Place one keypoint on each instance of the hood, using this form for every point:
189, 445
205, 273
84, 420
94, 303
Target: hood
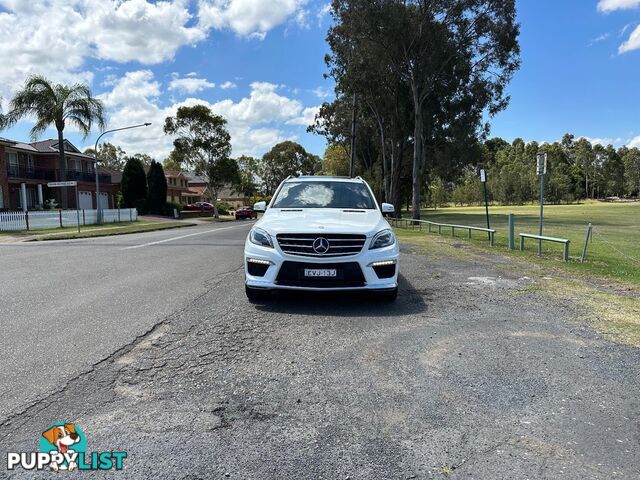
322, 220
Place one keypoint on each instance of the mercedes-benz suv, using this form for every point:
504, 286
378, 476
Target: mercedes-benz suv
322, 234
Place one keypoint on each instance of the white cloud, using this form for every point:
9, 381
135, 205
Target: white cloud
255, 122
322, 92
323, 11
612, 5
228, 85
56, 37
189, 84
307, 117
598, 39
634, 142
248, 18
632, 43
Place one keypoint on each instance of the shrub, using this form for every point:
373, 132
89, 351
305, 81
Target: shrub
142, 205
169, 206
157, 183
223, 208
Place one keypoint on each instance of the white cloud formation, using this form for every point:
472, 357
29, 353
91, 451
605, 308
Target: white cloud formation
612, 5
248, 18
56, 37
634, 142
189, 84
255, 122
307, 117
322, 92
632, 43
599, 38
228, 85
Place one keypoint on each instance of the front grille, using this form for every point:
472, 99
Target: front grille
340, 245
348, 275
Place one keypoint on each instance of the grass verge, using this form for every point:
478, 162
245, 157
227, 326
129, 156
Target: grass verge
612, 307
110, 230
614, 252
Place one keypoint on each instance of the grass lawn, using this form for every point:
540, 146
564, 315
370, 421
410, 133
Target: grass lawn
106, 230
614, 252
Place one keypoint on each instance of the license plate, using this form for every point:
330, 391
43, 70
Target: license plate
320, 272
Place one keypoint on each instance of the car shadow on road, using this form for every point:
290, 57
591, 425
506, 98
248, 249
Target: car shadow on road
348, 304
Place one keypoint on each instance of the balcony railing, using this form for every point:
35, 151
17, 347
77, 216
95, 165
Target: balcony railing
21, 171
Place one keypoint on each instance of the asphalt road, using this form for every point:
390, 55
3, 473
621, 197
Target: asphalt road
148, 343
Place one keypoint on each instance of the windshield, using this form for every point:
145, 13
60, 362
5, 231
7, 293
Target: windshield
325, 194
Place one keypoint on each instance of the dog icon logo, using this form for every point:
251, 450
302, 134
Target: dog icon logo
62, 437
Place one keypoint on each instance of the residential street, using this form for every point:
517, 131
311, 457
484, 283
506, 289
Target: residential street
149, 344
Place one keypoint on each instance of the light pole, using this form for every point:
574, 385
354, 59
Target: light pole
95, 155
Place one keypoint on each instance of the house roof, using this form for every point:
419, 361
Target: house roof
197, 190
45, 146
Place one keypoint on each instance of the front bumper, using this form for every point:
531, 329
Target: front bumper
276, 258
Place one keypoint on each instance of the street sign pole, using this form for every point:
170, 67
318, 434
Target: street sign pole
541, 171
78, 207
483, 179
64, 186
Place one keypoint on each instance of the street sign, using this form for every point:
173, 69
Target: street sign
62, 184
483, 175
541, 168
70, 184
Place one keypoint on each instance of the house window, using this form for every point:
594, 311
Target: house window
30, 163
12, 160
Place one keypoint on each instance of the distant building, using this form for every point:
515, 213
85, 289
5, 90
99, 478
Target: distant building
26, 168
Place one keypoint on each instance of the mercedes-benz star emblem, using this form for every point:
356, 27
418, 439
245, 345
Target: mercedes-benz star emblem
321, 245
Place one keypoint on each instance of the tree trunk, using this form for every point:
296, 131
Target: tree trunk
63, 166
417, 156
394, 188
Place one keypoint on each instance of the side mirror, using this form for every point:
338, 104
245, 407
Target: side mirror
388, 208
260, 207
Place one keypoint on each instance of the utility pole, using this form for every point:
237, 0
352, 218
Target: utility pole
541, 170
353, 137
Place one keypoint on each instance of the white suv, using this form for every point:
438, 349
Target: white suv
322, 234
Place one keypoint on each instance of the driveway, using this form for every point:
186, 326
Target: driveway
472, 373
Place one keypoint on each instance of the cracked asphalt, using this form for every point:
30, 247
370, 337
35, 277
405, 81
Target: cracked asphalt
472, 373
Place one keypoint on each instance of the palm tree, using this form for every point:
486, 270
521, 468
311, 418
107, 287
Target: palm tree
56, 104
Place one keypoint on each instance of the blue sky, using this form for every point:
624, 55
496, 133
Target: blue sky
260, 64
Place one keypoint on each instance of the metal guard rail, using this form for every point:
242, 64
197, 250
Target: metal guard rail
407, 221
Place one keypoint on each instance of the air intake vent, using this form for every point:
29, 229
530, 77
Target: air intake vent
325, 245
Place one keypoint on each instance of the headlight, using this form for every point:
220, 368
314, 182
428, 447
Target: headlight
258, 236
385, 238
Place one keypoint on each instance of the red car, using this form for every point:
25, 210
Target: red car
246, 212
199, 206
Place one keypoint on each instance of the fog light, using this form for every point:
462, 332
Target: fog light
384, 268
257, 267
384, 263
258, 261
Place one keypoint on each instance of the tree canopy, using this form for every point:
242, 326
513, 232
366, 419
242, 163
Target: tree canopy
285, 159
203, 144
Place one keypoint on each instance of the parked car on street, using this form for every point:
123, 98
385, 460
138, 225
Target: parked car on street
199, 206
246, 212
322, 234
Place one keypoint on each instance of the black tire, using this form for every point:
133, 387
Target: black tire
256, 295
387, 295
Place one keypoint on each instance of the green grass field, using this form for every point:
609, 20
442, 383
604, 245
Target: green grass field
613, 253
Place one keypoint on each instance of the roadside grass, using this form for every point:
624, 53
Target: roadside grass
222, 219
614, 252
612, 307
106, 230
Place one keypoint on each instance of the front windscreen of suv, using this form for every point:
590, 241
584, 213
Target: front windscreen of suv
319, 194
322, 233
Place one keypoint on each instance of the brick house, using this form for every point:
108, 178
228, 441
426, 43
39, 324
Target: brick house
177, 186
26, 168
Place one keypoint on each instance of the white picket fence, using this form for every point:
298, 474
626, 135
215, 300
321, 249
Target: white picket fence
11, 221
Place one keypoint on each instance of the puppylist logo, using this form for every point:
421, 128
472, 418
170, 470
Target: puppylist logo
63, 447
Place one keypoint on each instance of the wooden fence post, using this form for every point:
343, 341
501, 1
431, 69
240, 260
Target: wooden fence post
60, 214
26, 219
